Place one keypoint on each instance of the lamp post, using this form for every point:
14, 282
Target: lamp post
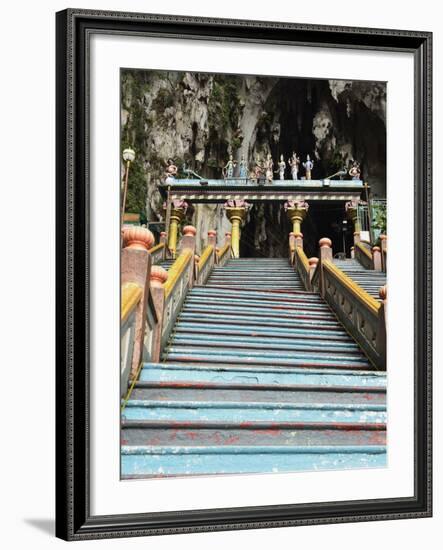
128, 157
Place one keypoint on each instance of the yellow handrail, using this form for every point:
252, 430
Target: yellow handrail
304, 259
223, 250
131, 295
154, 249
207, 252
358, 292
176, 270
364, 250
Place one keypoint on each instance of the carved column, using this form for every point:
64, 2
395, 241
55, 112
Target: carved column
351, 208
178, 212
157, 279
236, 213
296, 212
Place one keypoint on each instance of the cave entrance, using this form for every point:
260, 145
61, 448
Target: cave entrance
265, 233
327, 219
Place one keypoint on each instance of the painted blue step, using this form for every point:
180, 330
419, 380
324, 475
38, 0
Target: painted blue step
260, 342
195, 327
141, 433
293, 313
145, 461
237, 374
240, 412
263, 295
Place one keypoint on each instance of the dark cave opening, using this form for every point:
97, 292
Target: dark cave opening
263, 238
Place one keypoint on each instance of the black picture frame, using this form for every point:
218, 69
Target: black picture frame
73, 518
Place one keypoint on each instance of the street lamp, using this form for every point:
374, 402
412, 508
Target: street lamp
128, 157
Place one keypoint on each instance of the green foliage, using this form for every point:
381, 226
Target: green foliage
379, 217
224, 111
137, 189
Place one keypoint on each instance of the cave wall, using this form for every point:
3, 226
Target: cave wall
198, 119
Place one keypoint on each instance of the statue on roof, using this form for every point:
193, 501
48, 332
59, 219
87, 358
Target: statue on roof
228, 169
269, 165
355, 171
243, 168
171, 171
281, 167
294, 163
308, 166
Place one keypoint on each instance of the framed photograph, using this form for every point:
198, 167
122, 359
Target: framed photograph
228, 353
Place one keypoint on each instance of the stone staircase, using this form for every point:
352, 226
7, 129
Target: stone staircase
368, 279
258, 376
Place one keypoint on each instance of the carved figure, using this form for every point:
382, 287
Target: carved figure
269, 165
308, 165
228, 170
355, 171
171, 171
281, 167
243, 168
294, 163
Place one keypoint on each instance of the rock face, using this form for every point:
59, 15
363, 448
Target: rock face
199, 119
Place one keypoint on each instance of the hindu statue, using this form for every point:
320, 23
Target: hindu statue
294, 163
171, 171
269, 165
355, 171
258, 170
228, 169
281, 167
243, 168
308, 166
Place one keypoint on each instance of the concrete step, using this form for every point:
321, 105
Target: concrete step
264, 375
155, 461
195, 327
286, 313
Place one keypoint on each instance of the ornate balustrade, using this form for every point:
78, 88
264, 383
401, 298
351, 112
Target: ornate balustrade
130, 299
302, 267
384, 251
205, 264
360, 313
363, 255
157, 253
176, 287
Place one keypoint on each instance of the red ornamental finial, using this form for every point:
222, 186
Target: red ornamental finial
158, 276
137, 237
325, 243
189, 230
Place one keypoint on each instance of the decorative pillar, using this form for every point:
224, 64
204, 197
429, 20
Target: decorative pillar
136, 237
212, 237
384, 248
296, 212
178, 212
351, 208
325, 253
352, 252
236, 213
228, 237
188, 243
158, 278
376, 258
136, 268
313, 262
380, 342
325, 249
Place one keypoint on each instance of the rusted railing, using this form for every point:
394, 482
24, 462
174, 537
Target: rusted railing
205, 265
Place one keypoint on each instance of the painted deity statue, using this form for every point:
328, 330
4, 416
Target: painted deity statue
243, 168
228, 170
258, 170
355, 171
308, 165
171, 171
294, 163
269, 165
281, 167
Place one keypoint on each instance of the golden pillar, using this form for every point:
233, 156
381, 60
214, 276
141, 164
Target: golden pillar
236, 213
296, 212
352, 212
178, 211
